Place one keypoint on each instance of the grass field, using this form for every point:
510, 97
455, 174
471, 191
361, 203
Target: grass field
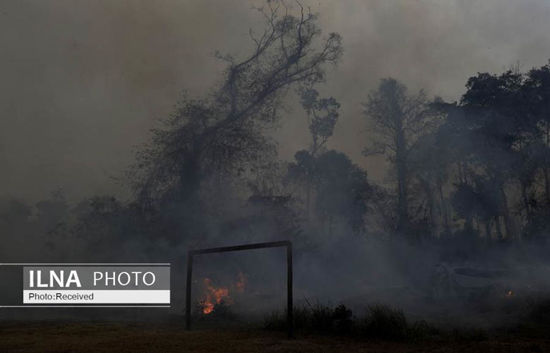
123, 337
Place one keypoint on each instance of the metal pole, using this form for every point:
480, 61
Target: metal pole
290, 320
188, 291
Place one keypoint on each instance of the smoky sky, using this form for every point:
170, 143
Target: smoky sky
82, 82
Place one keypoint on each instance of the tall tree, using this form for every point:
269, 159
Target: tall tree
398, 119
223, 131
322, 115
495, 128
537, 92
340, 187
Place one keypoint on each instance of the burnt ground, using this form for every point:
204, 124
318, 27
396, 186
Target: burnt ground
123, 337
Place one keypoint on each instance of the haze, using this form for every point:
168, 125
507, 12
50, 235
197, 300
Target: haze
82, 82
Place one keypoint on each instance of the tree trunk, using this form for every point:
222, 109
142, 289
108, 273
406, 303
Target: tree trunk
500, 236
525, 198
402, 195
488, 234
434, 222
444, 209
308, 198
508, 221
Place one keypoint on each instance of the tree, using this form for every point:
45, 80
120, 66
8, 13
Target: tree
341, 188
537, 92
498, 130
398, 119
342, 191
428, 164
495, 129
220, 133
322, 115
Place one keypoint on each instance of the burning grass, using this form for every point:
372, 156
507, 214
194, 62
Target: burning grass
213, 296
216, 300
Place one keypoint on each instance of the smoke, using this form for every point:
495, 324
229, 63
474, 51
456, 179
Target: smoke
83, 82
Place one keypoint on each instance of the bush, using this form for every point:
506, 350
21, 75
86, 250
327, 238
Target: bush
314, 318
275, 321
380, 322
421, 330
343, 319
385, 322
321, 318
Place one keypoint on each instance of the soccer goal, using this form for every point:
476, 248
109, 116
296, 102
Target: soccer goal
192, 253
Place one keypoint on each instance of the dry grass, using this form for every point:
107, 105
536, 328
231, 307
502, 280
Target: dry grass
150, 338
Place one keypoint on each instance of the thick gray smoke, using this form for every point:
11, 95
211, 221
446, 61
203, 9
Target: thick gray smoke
83, 82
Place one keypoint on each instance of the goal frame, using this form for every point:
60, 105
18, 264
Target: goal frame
284, 243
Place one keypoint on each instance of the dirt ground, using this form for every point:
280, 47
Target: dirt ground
114, 337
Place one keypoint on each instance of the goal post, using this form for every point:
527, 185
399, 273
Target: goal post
275, 244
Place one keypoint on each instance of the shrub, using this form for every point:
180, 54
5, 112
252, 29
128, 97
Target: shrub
275, 321
380, 322
343, 319
385, 322
314, 318
321, 318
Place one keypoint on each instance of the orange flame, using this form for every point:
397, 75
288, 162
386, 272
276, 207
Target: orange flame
213, 296
216, 295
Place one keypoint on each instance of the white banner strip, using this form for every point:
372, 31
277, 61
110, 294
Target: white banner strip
96, 296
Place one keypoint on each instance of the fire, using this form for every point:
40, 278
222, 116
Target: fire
213, 296
509, 293
216, 295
